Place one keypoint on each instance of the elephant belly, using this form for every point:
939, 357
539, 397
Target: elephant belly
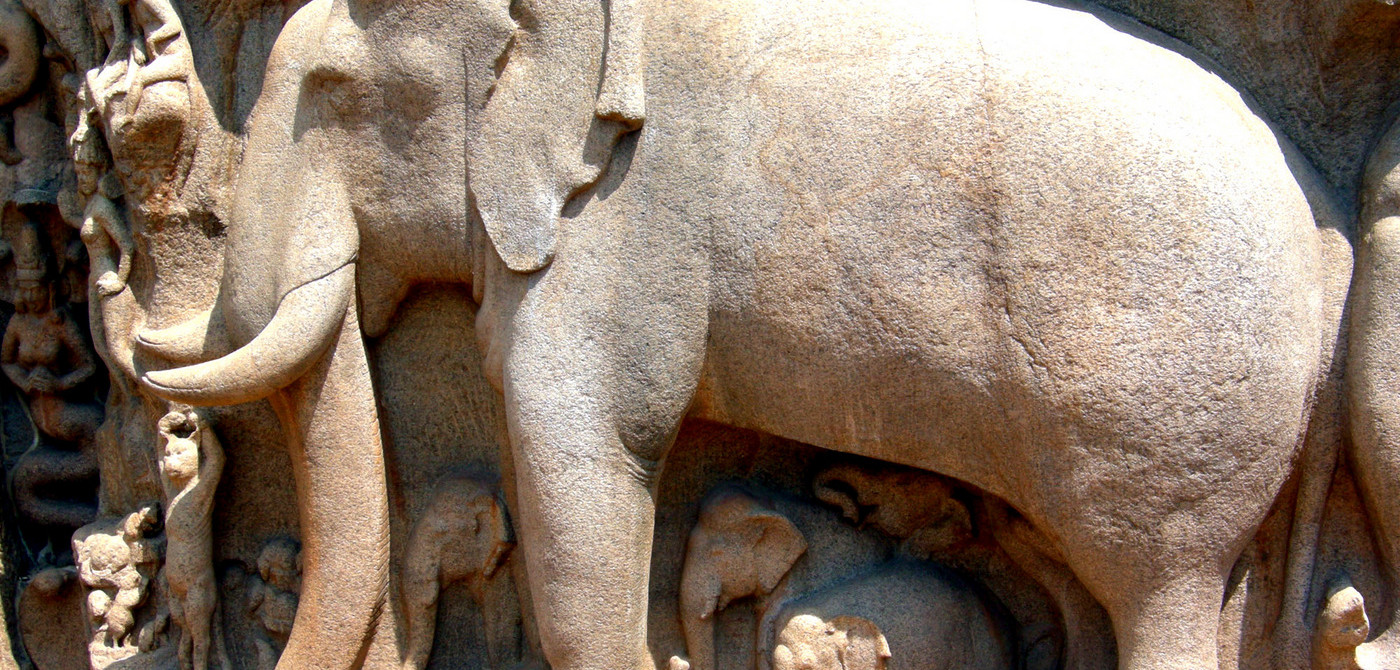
1076, 273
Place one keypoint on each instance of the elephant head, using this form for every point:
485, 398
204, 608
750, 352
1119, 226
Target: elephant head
464, 535
806, 642
378, 129
901, 502
740, 547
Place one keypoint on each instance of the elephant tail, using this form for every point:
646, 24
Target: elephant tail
1321, 441
307, 320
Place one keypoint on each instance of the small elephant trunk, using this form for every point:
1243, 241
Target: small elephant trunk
697, 610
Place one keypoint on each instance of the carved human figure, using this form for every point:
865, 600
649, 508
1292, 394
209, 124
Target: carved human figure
162, 54
191, 463
463, 536
272, 598
807, 642
46, 356
116, 560
139, 105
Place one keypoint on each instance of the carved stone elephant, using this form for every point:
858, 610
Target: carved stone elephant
1022, 245
927, 618
463, 536
845, 643
739, 548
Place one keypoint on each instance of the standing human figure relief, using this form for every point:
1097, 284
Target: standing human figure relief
191, 463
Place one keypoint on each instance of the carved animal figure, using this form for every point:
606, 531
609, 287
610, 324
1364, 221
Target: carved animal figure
463, 535
1029, 247
191, 463
116, 560
844, 643
929, 619
739, 548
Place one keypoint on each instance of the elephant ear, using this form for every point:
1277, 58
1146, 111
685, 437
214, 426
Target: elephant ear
551, 122
778, 546
864, 646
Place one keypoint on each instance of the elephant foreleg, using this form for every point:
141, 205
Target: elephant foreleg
586, 513
338, 463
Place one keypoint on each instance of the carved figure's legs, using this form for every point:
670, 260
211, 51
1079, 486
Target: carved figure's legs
177, 614
338, 464
199, 604
1373, 387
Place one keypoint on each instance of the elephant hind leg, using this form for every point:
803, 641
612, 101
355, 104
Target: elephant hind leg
342, 496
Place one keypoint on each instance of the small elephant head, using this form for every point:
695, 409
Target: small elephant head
901, 502
807, 642
740, 547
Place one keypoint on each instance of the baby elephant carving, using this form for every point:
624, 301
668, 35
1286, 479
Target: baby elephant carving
463, 536
844, 643
904, 615
741, 547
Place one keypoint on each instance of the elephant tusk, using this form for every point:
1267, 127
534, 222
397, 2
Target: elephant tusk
305, 323
185, 342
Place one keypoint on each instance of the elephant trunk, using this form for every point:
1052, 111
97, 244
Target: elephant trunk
420, 589
698, 601
305, 323
19, 38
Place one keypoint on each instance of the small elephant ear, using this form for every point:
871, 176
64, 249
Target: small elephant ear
864, 647
778, 546
550, 124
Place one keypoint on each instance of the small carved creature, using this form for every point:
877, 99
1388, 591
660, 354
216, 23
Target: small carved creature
463, 536
844, 643
116, 559
191, 463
